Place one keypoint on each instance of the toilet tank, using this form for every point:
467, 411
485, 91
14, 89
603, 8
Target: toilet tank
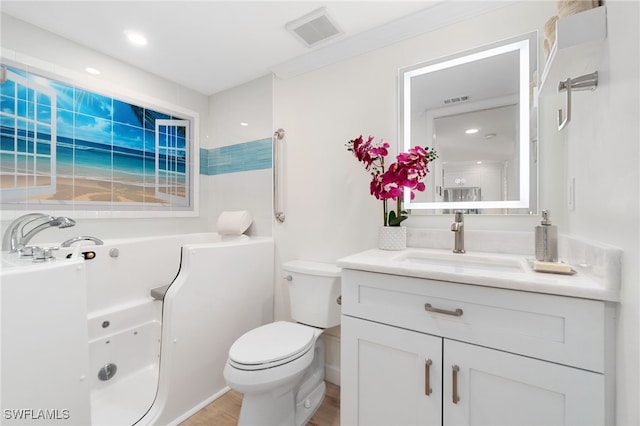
314, 289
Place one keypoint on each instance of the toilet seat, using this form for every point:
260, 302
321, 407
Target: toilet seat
271, 345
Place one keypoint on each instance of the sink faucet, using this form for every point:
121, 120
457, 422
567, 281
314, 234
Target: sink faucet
458, 228
15, 237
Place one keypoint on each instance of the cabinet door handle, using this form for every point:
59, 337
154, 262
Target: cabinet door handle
454, 378
427, 381
429, 308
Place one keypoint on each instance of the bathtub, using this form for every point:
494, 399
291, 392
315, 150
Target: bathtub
138, 358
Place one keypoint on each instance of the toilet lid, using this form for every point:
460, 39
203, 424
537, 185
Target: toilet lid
273, 344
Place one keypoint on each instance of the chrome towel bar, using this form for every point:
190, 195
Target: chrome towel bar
584, 82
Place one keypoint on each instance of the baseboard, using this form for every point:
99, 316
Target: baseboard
331, 358
200, 406
332, 374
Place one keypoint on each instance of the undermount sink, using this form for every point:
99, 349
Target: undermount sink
486, 262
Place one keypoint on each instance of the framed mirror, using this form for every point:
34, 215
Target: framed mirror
476, 110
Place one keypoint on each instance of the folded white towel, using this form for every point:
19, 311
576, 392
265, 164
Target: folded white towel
234, 223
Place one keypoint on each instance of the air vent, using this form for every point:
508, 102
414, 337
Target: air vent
456, 99
314, 28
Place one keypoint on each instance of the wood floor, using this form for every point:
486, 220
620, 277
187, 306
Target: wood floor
224, 411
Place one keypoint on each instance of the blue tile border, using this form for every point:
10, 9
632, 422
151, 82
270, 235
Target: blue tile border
242, 157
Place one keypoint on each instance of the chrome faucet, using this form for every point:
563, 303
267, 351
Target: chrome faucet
15, 238
458, 228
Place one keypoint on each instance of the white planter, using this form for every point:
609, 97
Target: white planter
392, 237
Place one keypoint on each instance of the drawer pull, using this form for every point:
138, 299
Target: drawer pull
454, 378
427, 381
429, 308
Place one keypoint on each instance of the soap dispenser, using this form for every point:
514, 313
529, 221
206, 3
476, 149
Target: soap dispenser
546, 239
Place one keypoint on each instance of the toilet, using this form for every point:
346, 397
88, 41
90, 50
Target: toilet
279, 367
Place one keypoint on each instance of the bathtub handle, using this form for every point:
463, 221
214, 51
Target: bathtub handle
96, 241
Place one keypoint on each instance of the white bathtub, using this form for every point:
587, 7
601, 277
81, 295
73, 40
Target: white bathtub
169, 355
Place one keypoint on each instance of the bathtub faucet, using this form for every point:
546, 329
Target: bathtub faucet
15, 237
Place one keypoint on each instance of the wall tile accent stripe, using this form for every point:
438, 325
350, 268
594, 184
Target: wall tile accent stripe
242, 157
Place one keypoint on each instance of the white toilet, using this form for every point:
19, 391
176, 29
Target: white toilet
279, 367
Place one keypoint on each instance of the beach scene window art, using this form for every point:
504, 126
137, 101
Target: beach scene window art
61, 144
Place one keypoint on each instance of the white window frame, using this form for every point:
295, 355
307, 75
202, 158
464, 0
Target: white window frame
21, 192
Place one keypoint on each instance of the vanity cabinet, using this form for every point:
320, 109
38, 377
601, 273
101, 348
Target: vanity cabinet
417, 351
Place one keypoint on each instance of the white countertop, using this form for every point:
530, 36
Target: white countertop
508, 271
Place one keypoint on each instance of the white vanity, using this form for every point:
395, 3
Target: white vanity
435, 338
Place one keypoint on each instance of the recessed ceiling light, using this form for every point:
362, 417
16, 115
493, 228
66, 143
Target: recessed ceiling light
490, 136
478, 162
244, 124
136, 38
93, 71
471, 131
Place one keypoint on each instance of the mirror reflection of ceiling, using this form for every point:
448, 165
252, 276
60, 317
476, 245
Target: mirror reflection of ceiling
453, 87
436, 89
495, 140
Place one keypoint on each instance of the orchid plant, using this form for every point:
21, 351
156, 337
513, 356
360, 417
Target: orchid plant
408, 171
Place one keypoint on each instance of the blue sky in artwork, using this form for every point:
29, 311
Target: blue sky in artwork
89, 116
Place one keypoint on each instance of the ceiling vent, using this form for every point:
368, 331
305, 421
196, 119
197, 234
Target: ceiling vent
314, 28
456, 99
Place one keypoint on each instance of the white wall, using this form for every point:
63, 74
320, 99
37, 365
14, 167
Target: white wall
602, 150
330, 213
251, 103
323, 109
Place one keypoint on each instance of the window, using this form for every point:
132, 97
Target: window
63, 146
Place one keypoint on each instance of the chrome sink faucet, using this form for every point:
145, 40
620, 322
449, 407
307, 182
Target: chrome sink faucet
15, 238
458, 228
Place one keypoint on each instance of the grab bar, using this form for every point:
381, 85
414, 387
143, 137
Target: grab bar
277, 136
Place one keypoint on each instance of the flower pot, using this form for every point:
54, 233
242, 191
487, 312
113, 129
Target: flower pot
392, 237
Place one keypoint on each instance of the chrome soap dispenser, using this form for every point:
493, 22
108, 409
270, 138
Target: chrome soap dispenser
546, 239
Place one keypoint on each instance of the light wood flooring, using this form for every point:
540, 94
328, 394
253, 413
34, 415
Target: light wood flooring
225, 410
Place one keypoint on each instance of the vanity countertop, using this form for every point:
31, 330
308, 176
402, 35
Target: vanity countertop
508, 271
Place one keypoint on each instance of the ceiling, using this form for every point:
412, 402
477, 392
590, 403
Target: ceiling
210, 45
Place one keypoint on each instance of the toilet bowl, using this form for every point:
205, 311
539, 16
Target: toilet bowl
279, 367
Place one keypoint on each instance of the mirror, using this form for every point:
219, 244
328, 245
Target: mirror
476, 109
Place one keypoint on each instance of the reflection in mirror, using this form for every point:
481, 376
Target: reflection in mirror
475, 109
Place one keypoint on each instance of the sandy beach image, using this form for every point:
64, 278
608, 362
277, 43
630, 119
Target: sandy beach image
100, 149
83, 189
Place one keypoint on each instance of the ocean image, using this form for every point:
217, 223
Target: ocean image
105, 148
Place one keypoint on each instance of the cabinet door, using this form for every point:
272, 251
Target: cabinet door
384, 375
499, 388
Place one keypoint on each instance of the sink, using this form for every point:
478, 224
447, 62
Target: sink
485, 262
